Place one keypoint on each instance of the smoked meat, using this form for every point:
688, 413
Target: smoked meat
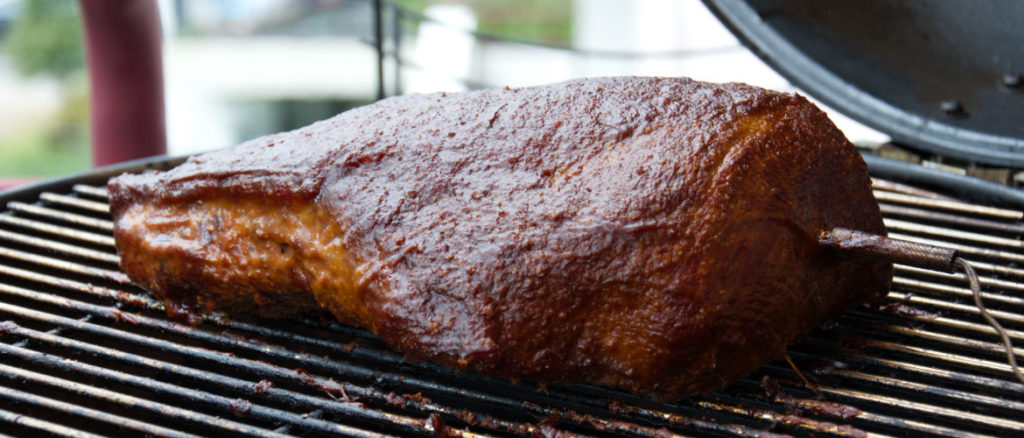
657, 235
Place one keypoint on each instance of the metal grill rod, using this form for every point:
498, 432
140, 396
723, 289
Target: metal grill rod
43, 426
946, 305
936, 391
893, 404
98, 239
890, 186
988, 347
961, 360
32, 377
289, 398
72, 218
797, 423
918, 426
949, 205
626, 407
963, 221
864, 416
943, 322
864, 399
998, 269
928, 371
81, 411
94, 191
84, 204
900, 225
997, 367
921, 408
919, 285
881, 328
963, 249
170, 347
50, 245
743, 407
985, 281
65, 265
90, 289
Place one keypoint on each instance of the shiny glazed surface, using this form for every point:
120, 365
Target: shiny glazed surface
656, 235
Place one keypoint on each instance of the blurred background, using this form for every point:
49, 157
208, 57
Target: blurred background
238, 69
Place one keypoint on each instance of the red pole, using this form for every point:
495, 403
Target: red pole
123, 53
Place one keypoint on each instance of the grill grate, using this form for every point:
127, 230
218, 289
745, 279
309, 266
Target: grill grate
83, 352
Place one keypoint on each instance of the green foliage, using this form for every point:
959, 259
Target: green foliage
33, 154
46, 39
69, 128
547, 21
55, 146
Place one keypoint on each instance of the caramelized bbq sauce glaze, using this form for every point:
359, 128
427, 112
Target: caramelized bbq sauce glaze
656, 235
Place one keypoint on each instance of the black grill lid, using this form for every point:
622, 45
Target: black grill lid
938, 75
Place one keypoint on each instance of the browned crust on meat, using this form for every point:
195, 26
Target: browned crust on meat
656, 235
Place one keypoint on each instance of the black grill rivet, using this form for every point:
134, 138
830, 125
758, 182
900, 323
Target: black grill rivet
1013, 80
953, 108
